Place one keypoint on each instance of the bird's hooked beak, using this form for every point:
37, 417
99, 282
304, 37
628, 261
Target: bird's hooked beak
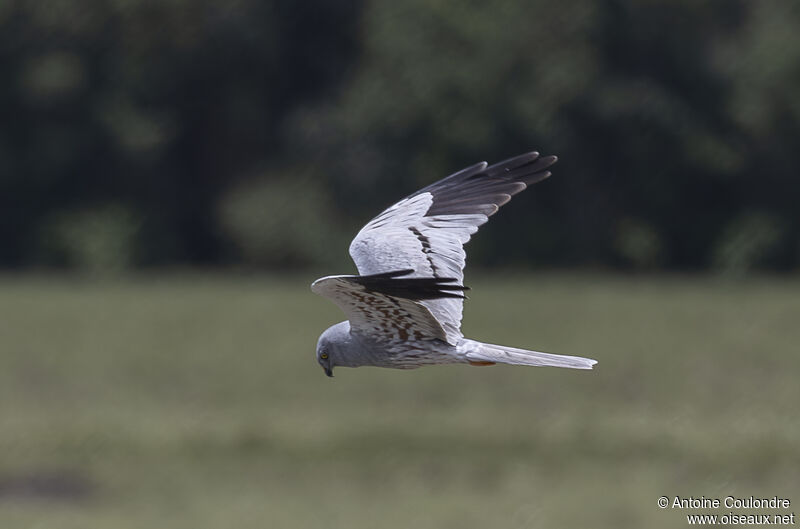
328, 371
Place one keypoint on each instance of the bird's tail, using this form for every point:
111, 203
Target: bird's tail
479, 353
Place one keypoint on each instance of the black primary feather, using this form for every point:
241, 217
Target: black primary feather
413, 288
482, 189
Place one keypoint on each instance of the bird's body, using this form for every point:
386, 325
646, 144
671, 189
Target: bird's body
352, 349
404, 311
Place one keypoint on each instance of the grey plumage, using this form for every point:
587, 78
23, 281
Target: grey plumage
404, 310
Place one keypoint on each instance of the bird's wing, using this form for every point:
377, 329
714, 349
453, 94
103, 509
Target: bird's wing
386, 307
427, 231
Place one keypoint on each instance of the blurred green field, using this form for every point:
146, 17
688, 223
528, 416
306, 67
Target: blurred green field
195, 402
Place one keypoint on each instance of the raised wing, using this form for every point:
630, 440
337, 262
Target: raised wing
387, 308
427, 231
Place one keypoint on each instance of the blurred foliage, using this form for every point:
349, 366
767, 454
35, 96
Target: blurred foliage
280, 221
638, 244
747, 242
674, 120
100, 240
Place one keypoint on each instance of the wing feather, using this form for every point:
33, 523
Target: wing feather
426, 231
387, 308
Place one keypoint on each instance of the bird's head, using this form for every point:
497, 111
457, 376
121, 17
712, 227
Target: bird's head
329, 345
324, 356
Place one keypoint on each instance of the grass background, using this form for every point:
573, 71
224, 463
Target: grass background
194, 401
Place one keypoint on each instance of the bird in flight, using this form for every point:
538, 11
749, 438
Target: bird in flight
404, 310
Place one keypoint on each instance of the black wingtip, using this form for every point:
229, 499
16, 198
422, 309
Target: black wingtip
414, 288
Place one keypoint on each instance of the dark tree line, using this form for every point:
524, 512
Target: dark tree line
144, 133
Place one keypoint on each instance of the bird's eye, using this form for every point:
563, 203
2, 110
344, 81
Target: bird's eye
324, 356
